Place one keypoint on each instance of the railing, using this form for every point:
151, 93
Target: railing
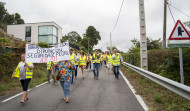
174, 86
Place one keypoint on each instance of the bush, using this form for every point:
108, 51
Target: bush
164, 62
43, 45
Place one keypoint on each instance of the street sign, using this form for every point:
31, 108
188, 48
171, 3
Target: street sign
179, 37
179, 32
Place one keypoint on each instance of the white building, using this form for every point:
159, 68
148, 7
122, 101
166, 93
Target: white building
48, 32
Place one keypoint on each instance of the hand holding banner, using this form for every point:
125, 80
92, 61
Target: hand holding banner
36, 54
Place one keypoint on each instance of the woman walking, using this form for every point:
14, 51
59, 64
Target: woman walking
82, 63
24, 71
65, 68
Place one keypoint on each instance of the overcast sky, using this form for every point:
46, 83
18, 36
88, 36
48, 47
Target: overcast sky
77, 15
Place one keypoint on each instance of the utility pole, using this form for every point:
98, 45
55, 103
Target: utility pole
110, 43
143, 41
165, 21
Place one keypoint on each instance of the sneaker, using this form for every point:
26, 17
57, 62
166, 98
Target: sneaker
94, 77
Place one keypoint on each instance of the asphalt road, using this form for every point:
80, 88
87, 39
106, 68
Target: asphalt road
105, 94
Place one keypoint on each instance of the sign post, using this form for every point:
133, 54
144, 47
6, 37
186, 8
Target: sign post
179, 38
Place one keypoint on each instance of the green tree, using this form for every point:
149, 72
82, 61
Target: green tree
151, 44
18, 19
93, 36
72, 37
9, 19
2, 12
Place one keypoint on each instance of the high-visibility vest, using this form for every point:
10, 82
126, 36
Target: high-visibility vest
77, 62
87, 58
29, 73
104, 57
116, 60
90, 58
82, 60
109, 58
48, 65
101, 58
96, 59
73, 58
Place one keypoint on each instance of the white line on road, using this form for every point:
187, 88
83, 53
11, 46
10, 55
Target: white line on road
134, 92
22, 92
13, 97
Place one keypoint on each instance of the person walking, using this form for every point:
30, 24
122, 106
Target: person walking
104, 58
101, 59
82, 63
117, 59
49, 69
88, 61
76, 64
65, 70
24, 71
109, 61
73, 58
96, 64
91, 62
54, 71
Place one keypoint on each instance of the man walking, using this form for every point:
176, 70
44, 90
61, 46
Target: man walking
96, 64
73, 58
117, 58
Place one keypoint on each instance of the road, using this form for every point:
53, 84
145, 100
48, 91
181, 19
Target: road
105, 94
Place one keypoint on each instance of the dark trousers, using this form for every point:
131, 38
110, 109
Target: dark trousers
105, 62
76, 70
116, 71
96, 67
72, 76
87, 64
25, 83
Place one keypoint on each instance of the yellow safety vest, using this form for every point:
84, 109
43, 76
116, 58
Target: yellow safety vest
73, 58
90, 58
29, 73
96, 59
101, 58
82, 60
48, 65
77, 62
109, 58
116, 60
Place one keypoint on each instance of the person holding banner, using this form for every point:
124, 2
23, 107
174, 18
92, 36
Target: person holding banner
82, 63
73, 58
65, 70
24, 71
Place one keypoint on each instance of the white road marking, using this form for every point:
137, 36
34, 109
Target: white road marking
13, 96
134, 92
22, 92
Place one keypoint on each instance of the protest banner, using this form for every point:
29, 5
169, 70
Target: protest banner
36, 54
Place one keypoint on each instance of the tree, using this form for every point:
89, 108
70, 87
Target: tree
151, 44
93, 36
72, 37
2, 12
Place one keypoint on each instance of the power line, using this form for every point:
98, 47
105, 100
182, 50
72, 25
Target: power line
171, 13
178, 10
118, 16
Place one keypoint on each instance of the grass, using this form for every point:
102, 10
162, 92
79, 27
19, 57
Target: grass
9, 86
156, 97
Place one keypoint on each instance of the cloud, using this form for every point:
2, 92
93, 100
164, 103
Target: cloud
77, 15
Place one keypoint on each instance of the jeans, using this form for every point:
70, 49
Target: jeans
87, 65
116, 71
72, 76
25, 83
66, 88
76, 70
96, 66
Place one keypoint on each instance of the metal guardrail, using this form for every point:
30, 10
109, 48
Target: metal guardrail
174, 86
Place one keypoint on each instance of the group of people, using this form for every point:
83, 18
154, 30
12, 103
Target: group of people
68, 69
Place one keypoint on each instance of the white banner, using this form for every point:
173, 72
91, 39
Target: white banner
36, 54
